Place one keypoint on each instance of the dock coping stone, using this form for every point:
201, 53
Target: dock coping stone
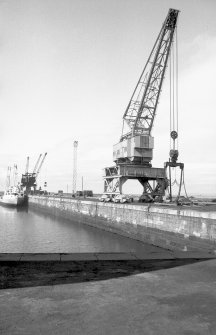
149, 208
86, 257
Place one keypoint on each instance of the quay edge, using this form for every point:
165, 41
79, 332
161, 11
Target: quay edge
173, 228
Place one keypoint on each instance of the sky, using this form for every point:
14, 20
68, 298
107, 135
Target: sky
68, 69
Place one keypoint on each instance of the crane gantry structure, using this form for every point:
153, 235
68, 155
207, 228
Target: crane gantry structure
134, 153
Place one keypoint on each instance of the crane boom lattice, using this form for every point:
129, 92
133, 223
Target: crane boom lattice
141, 109
36, 165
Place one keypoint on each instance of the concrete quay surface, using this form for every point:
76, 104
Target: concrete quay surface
153, 293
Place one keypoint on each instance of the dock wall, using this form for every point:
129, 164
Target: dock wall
176, 228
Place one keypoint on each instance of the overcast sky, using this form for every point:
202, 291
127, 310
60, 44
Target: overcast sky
67, 72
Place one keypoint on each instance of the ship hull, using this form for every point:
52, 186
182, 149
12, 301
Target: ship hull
12, 200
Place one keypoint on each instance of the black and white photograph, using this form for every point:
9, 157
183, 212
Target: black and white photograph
107, 167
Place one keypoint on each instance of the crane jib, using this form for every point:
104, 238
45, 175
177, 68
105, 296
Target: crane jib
143, 103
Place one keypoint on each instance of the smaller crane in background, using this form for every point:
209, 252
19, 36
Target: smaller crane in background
41, 163
36, 165
29, 179
75, 168
27, 165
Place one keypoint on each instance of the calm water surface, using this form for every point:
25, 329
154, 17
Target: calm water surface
27, 231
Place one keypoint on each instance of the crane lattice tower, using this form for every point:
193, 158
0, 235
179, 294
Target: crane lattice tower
75, 167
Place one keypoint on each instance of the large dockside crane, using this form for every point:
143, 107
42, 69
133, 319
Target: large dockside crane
134, 153
29, 179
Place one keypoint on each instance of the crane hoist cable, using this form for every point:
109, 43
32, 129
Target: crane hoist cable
174, 92
170, 96
174, 122
173, 89
185, 187
177, 84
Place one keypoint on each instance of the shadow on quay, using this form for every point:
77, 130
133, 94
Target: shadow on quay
30, 273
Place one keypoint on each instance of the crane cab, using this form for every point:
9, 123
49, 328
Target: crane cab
137, 149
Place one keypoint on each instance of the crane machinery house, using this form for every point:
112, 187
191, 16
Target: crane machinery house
137, 149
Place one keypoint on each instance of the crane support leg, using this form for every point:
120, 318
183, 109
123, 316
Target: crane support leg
155, 192
113, 186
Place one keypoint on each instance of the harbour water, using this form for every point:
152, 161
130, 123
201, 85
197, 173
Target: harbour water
27, 231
